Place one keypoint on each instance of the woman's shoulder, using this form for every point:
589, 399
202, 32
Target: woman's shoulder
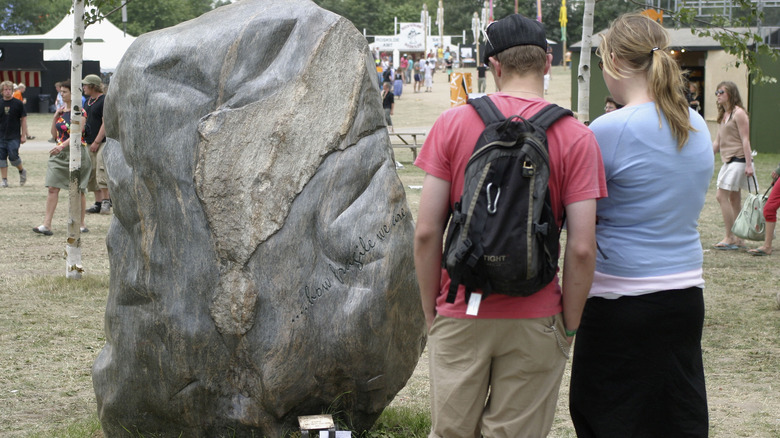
740, 114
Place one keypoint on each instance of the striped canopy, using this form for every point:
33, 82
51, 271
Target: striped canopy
28, 78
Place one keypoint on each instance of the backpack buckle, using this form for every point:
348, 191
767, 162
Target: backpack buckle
529, 169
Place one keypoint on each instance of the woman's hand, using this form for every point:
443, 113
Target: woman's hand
749, 169
57, 149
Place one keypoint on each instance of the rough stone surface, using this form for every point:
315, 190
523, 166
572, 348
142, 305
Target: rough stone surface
261, 246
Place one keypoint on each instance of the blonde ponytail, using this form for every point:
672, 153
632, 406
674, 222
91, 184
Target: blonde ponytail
640, 43
668, 89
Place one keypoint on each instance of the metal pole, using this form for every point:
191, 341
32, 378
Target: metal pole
424, 21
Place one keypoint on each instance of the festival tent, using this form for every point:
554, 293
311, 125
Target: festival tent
103, 42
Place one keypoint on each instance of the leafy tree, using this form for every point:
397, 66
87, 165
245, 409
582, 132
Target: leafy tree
20, 17
144, 16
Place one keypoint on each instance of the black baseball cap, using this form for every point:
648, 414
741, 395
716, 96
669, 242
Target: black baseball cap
511, 31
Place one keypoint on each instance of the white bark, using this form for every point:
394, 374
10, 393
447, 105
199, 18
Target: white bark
583, 72
73, 268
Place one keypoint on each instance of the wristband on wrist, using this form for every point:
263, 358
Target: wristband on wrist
570, 333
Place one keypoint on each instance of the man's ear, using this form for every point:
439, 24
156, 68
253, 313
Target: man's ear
496, 65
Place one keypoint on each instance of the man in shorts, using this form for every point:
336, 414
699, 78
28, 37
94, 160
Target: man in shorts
13, 133
496, 365
95, 137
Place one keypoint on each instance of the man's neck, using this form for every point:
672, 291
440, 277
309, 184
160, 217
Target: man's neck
522, 85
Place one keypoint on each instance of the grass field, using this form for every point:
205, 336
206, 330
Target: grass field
51, 329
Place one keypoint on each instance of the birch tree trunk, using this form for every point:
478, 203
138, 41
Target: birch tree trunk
73, 268
583, 72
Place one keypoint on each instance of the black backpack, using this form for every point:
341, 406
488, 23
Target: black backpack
502, 235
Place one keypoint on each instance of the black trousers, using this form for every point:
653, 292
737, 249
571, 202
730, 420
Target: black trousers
637, 369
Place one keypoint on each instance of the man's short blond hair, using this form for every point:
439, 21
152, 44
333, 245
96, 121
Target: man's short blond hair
523, 60
5, 84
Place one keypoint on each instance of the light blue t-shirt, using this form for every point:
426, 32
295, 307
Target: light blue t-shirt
647, 226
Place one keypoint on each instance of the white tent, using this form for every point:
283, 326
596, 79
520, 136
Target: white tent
103, 42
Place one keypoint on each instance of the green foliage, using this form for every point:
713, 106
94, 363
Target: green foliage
377, 17
20, 17
86, 427
401, 422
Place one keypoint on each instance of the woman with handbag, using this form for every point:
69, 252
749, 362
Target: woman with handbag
637, 367
770, 216
733, 143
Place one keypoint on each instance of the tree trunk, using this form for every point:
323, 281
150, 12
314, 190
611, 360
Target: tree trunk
73, 268
583, 72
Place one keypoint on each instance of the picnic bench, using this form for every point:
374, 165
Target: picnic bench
407, 139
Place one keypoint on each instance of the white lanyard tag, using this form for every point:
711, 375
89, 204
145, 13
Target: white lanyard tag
473, 307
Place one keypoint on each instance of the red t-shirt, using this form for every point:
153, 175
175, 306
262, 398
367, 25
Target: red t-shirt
576, 174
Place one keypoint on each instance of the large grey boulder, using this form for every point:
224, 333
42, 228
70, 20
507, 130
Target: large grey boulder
261, 246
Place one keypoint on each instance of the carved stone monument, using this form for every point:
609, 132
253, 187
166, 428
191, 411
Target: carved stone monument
261, 248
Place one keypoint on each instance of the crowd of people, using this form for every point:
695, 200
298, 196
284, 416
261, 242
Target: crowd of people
13, 125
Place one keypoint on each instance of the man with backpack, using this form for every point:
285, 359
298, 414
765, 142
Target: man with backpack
499, 337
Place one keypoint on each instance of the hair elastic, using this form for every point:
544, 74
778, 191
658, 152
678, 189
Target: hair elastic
653, 50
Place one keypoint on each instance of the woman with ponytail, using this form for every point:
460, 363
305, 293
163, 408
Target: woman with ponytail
637, 368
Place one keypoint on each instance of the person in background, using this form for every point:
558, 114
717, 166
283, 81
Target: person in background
409, 69
481, 79
547, 75
496, 368
58, 167
733, 143
398, 84
418, 72
379, 70
388, 104
404, 64
637, 367
429, 67
19, 92
695, 99
95, 137
59, 102
610, 104
13, 133
770, 216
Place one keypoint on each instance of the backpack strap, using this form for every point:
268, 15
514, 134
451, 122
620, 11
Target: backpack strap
487, 110
549, 115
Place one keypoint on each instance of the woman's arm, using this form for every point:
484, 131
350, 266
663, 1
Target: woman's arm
716, 143
743, 125
57, 115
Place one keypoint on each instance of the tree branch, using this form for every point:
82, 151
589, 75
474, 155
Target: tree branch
94, 20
